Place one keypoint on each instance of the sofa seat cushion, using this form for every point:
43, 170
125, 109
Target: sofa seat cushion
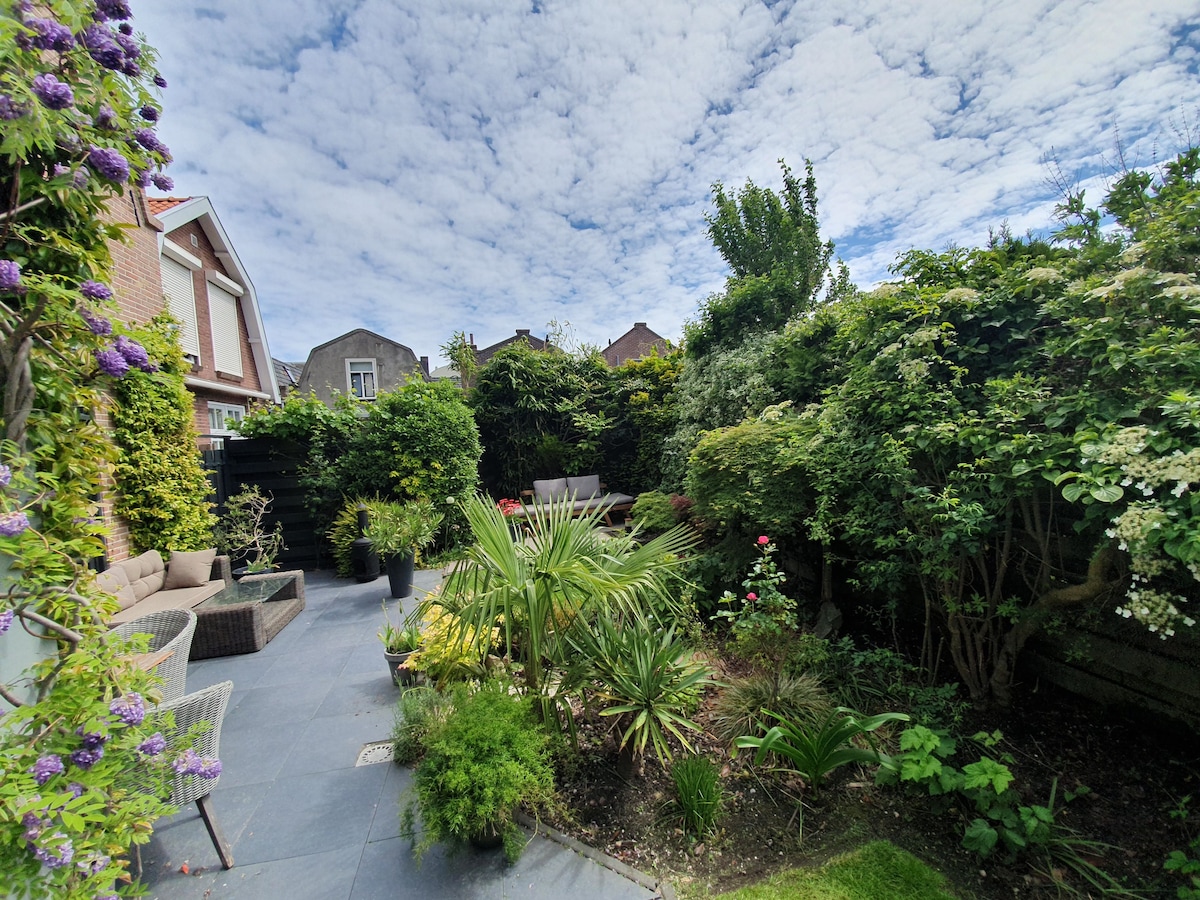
176, 598
146, 573
115, 581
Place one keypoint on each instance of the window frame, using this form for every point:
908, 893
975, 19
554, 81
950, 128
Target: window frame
373, 371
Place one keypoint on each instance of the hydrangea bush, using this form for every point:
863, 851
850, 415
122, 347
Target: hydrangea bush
78, 751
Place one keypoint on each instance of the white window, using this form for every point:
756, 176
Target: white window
222, 419
360, 376
181, 303
227, 346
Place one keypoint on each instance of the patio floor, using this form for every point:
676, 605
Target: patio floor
304, 820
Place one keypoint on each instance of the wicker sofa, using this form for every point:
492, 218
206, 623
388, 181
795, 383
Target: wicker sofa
145, 584
586, 492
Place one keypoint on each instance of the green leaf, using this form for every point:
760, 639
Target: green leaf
980, 838
1106, 493
1074, 491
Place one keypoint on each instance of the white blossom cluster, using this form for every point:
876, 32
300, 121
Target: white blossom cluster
1044, 275
1156, 610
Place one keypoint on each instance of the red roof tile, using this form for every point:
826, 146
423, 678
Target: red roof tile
161, 204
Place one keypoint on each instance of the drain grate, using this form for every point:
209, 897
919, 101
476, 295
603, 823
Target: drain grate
377, 752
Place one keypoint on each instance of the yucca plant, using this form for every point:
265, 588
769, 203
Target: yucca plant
648, 677
561, 570
814, 750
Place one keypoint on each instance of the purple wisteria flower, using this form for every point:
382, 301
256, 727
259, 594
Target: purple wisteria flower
91, 739
93, 866
209, 767
46, 768
134, 353
129, 708
57, 857
97, 324
13, 523
149, 113
150, 141
160, 81
86, 757
140, 177
188, 763
132, 69
111, 362
33, 826
53, 93
101, 47
95, 290
106, 118
51, 35
109, 164
5, 476
113, 9
163, 182
125, 28
6, 620
128, 45
76, 789
10, 109
10, 275
153, 745
80, 179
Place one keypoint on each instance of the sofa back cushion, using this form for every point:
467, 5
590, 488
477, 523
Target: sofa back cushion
189, 569
145, 573
549, 489
115, 581
584, 487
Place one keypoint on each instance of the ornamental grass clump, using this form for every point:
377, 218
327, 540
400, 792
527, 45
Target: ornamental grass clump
488, 759
698, 794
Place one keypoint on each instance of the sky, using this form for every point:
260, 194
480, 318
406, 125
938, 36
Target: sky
423, 167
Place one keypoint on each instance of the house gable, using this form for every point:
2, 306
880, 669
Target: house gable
359, 362
636, 343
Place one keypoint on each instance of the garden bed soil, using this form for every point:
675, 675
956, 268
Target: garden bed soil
1136, 773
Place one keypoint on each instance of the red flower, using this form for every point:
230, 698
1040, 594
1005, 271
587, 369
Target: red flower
763, 539
507, 507
752, 596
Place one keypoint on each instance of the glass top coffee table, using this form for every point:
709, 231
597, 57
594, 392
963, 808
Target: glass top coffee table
247, 614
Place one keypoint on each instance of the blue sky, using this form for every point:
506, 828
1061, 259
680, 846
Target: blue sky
420, 167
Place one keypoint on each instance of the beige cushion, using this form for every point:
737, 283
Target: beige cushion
584, 486
115, 581
189, 569
149, 577
549, 489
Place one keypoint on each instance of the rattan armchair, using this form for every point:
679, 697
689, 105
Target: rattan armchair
169, 629
209, 706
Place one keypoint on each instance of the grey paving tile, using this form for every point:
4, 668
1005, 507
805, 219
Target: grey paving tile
257, 755
388, 866
261, 707
310, 814
322, 876
387, 816
548, 870
182, 838
296, 668
361, 692
243, 671
334, 742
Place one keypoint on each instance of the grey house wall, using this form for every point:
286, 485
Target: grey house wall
325, 369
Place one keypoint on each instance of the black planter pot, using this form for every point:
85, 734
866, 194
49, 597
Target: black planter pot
402, 677
400, 574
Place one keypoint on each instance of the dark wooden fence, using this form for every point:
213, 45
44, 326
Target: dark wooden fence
273, 466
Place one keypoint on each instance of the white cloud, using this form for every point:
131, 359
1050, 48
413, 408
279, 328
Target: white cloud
422, 168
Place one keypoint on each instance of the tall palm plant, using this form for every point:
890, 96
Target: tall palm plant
557, 575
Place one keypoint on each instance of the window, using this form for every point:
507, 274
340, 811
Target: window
181, 303
223, 310
361, 378
222, 419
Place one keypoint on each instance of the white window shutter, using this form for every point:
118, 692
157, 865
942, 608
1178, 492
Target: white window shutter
181, 302
227, 347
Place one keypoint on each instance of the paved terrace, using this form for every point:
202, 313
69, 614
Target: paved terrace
304, 820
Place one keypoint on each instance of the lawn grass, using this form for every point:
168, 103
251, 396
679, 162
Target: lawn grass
873, 871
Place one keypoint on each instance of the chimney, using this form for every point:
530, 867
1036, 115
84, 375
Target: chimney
425, 365
523, 332
472, 340
639, 324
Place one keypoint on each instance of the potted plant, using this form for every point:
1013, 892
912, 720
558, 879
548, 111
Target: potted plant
398, 532
399, 642
242, 532
489, 758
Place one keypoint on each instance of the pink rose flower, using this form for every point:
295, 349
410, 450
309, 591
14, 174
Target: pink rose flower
763, 539
752, 596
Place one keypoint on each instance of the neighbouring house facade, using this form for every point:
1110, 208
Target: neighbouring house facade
177, 257
483, 356
638, 342
361, 363
181, 258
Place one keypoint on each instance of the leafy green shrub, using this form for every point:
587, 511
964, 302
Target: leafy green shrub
764, 620
420, 712
417, 442
697, 793
741, 706
488, 759
653, 512
164, 491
